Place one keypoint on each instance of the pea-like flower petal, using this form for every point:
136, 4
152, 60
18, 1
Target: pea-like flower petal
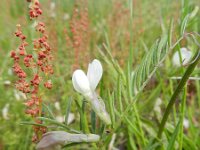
94, 73
185, 55
81, 83
56, 139
86, 85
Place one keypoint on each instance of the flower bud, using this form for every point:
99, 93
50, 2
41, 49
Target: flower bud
56, 139
185, 55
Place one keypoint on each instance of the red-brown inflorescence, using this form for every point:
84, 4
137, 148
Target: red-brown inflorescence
79, 28
34, 9
39, 61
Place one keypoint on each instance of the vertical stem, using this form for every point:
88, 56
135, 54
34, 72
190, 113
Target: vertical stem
198, 92
177, 91
119, 93
182, 117
174, 108
131, 34
139, 124
85, 127
128, 82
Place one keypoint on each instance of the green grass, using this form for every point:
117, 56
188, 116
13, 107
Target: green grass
135, 44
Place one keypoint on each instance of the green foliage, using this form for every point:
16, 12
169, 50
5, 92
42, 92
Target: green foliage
135, 42
151, 61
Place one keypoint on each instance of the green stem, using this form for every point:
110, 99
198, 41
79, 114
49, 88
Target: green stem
176, 93
139, 124
183, 105
174, 108
198, 92
131, 34
58, 124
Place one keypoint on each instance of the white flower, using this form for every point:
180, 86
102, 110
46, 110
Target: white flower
7, 82
81, 83
52, 10
53, 15
66, 16
186, 123
71, 118
185, 55
34, 24
57, 105
56, 139
157, 108
61, 119
19, 95
86, 85
157, 105
5, 111
52, 5
10, 72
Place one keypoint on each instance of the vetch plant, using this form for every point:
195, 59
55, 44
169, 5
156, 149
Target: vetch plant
86, 85
146, 107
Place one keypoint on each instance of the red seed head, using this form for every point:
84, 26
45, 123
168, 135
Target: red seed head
22, 52
12, 54
48, 84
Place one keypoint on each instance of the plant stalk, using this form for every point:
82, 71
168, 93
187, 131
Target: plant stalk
181, 85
